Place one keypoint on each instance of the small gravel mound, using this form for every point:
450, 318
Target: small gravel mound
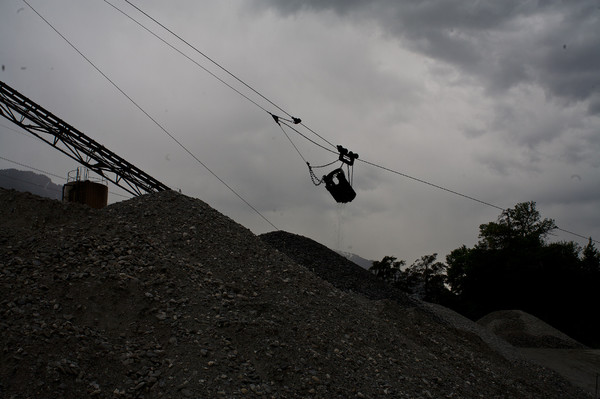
526, 331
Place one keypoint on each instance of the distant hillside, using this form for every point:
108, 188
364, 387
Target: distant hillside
362, 262
27, 181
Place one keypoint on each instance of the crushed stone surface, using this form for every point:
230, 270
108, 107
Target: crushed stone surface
524, 330
162, 296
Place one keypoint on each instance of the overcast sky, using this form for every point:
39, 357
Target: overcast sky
496, 100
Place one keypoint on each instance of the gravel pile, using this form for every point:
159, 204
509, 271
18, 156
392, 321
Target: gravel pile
527, 331
348, 276
161, 296
333, 267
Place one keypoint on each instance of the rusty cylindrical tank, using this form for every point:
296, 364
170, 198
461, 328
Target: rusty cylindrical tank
84, 191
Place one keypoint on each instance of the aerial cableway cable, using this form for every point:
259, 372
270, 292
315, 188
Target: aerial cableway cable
186, 56
280, 120
298, 121
335, 181
32, 168
337, 184
152, 119
218, 65
316, 181
205, 56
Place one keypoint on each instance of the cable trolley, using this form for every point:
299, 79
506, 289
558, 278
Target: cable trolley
335, 181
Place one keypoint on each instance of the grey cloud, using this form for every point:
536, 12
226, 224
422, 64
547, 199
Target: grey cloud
504, 166
502, 43
594, 105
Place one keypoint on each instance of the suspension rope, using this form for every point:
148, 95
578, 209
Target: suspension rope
187, 56
319, 136
311, 130
289, 139
462, 195
32, 168
307, 138
430, 184
316, 181
293, 119
207, 57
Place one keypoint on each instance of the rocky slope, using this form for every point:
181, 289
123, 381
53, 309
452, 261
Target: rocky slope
341, 272
161, 296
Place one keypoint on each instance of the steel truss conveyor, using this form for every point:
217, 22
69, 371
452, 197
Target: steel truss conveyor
46, 126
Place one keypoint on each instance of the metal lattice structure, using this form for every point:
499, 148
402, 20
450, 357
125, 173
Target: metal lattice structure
65, 138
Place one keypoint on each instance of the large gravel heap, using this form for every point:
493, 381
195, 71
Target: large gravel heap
334, 268
161, 296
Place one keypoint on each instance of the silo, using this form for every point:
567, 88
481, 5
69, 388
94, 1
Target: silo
81, 189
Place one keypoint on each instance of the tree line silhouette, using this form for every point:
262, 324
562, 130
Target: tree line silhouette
511, 267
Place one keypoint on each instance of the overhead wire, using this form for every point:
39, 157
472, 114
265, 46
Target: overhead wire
316, 180
152, 119
293, 119
186, 56
32, 168
206, 57
460, 194
277, 118
227, 71
291, 142
258, 105
431, 184
308, 138
302, 123
280, 120
56, 190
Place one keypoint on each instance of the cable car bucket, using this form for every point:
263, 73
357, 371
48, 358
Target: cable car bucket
335, 181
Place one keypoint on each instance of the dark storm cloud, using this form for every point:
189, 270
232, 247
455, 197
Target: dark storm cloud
502, 44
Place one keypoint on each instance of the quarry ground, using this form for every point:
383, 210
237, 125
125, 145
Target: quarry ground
580, 366
161, 296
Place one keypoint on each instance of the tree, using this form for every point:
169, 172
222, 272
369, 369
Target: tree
512, 267
387, 269
520, 226
591, 258
425, 278
457, 271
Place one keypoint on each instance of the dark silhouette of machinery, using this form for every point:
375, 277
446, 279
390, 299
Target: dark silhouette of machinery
336, 182
65, 138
